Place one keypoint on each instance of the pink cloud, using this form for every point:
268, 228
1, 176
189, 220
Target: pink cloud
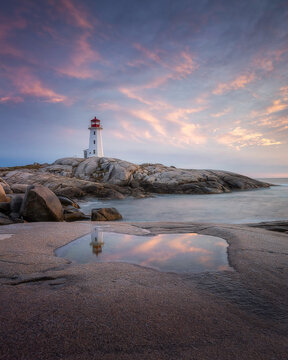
150, 119
132, 95
11, 99
240, 137
80, 62
78, 16
278, 105
177, 116
28, 84
148, 53
239, 83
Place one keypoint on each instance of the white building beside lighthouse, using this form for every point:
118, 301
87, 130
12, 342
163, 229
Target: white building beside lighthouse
95, 140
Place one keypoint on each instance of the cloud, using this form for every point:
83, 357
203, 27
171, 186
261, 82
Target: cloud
12, 99
79, 65
153, 56
171, 66
182, 113
221, 113
28, 84
240, 82
130, 94
239, 137
278, 105
150, 119
77, 16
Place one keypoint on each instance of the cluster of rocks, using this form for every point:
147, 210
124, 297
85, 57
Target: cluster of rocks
39, 203
113, 178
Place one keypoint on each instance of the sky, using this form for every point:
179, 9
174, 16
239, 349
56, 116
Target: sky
193, 84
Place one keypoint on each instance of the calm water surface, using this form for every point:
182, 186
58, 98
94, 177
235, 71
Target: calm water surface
236, 207
181, 253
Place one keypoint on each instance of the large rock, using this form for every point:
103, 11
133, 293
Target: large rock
41, 204
63, 186
107, 170
73, 214
3, 197
65, 200
19, 188
105, 214
5, 186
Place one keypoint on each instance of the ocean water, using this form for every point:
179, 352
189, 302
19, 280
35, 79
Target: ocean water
235, 207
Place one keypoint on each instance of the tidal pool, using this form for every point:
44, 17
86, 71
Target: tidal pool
181, 253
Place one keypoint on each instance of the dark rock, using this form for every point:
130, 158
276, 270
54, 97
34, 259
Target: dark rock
5, 207
75, 216
16, 217
65, 200
16, 203
4, 219
105, 214
41, 204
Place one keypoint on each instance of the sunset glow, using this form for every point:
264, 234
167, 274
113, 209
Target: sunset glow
190, 84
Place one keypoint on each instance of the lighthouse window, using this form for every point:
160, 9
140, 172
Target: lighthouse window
94, 141
94, 132
93, 151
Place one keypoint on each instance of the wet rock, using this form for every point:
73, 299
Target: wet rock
41, 204
4, 219
105, 214
19, 188
3, 197
65, 200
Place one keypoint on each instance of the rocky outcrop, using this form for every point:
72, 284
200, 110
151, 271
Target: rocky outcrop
114, 178
41, 204
105, 214
62, 185
157, 178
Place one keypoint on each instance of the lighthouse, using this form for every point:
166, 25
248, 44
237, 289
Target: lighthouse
95, 139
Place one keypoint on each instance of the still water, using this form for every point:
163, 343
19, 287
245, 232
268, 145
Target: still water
236, 207
181, 253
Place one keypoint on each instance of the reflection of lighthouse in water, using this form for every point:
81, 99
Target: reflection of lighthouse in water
96, 241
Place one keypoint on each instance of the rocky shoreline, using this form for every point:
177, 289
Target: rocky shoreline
116, 179
48, 192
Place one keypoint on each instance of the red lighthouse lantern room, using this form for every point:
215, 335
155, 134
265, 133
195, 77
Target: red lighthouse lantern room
95, 123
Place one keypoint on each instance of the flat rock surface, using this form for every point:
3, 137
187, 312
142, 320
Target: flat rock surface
54, 309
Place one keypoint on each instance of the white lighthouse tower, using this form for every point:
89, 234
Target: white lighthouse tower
95, 140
